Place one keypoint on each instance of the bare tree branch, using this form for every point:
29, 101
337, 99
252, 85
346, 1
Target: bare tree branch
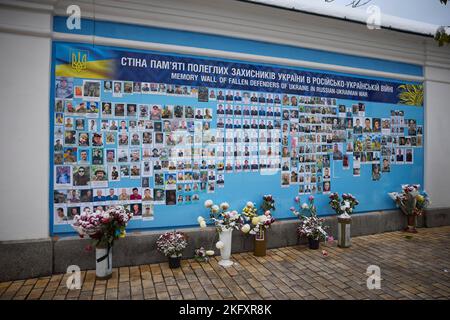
358, 3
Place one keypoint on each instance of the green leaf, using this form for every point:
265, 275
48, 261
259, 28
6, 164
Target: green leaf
441, 36
411, 94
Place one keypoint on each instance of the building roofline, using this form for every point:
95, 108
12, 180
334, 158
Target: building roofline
334, 17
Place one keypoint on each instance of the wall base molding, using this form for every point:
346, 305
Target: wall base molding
43, 257
26, 259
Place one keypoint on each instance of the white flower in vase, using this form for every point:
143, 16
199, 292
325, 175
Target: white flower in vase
245, 228
208, 203
262, 219
219, 245
224, 206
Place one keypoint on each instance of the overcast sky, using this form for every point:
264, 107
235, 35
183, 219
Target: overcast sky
430, 11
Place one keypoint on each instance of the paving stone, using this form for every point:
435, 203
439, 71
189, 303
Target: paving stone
149, 294
30, 282
47, 295
410, 269
187, 293
85, 295
164, 295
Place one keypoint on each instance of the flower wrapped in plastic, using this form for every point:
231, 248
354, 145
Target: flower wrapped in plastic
411, 200
345, 206
268, 203
311, 225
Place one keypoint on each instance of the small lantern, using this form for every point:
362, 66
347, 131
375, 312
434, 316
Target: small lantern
344, 222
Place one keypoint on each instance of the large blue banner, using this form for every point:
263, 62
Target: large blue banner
192, 71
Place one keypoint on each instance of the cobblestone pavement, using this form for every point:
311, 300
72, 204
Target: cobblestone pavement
411, 268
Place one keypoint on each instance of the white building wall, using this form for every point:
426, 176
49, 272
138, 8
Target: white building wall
437, 136
24, 125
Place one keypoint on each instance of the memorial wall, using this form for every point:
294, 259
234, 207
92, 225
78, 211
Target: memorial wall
160, 133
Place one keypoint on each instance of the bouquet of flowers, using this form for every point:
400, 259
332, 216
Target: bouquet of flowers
268, 203
202, 255
172, 243
411, 201
343, 207
310, 226
254, 223
103, 226
221, 216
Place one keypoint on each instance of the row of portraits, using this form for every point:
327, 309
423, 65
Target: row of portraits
67, 88
167, 154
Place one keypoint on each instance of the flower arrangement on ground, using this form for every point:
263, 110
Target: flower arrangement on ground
104, 227
411, 202
172, 244
345, 206
310, 226
203, 255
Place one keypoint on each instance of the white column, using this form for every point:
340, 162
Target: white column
437, 135
25, 50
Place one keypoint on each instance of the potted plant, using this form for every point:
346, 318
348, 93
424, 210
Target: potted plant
412, 203
104, 227
343, 208
257, 224
310, 226
225, 222
171, 244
